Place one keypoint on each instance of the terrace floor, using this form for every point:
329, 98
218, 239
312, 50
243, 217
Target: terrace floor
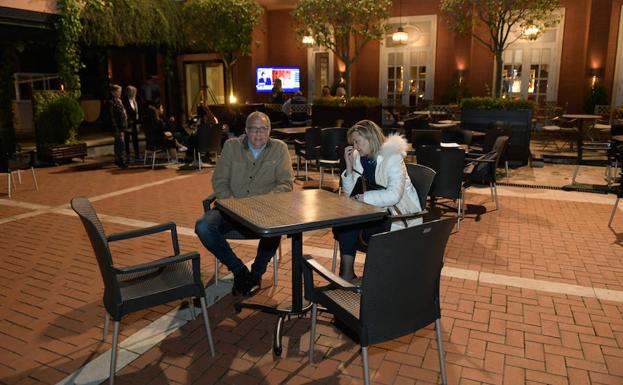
531, 293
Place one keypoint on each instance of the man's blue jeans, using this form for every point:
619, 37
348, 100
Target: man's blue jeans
210, 229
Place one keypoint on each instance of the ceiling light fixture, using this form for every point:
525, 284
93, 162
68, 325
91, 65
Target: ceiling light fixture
400, 36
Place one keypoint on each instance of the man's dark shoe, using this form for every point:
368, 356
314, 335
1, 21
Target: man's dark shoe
241, 279
254, 283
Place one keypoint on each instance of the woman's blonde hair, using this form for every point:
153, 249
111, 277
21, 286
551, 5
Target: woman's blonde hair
369, 130
130, 92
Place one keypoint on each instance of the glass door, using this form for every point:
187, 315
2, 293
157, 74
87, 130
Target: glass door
204, 83
407, 70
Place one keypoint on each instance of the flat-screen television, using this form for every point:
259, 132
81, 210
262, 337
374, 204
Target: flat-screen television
265, 78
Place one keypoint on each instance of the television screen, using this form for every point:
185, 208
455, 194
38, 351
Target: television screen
265, 78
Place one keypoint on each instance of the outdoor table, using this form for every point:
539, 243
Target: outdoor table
581, 119
292, 213
290, 133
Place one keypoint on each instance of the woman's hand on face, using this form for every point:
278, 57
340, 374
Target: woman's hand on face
348, 157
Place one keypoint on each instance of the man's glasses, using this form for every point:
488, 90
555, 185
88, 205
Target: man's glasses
258, 130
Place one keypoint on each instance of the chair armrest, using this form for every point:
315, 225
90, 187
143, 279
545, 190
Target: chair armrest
163, 262
148, 231
299, 142
309, 264
419, 214
142, 232
207, 203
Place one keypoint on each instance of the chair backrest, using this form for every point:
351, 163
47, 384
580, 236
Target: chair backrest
422, 179
495, 130
426, 137
331, 138
209, 138
400, 288
300, 112
412, 124
448, 164
485, 172
97, 236
603, 110
313, 139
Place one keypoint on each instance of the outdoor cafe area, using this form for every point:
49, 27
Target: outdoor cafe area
531, 292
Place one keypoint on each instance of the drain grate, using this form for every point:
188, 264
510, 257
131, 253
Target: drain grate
534, 186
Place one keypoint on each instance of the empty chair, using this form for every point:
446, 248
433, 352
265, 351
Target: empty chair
329, 157
448, 164
128, 289
300, 114
399, 292
236, 234
307, 149
209, 139
495, 130
412, 124
483, 169
426, 137
13, 163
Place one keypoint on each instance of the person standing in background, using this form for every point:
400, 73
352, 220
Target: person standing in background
131, 132
277, 95
118, 120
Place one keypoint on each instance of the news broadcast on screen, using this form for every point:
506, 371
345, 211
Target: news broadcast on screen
265, 78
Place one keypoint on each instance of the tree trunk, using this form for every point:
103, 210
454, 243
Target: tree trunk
347, 78
229, 81
497, 81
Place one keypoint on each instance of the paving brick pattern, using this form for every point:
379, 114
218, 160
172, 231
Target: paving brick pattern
51, 312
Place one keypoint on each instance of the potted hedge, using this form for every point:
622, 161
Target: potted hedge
57, 118
340, 111
478, 112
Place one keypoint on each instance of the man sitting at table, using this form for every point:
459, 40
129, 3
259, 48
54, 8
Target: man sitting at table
252, 164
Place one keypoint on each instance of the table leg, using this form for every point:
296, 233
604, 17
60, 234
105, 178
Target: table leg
297, 307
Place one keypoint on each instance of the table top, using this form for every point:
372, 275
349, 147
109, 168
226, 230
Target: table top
581, 116
291, 130
297, 211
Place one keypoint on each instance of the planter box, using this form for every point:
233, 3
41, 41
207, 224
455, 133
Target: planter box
518, 151
62, 152
328, 116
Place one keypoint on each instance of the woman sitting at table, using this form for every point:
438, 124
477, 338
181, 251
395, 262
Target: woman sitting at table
380, 161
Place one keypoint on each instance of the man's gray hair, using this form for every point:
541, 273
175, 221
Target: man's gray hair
257, 115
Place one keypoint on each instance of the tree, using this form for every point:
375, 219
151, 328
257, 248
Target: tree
505, 20
223, 26
342, 26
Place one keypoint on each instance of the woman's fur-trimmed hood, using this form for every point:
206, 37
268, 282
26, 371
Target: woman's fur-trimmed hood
394, 144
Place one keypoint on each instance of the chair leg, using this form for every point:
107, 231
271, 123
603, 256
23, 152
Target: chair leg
215, 270
506, 168
206, 321
575, 173
200, 161
9, 182
153, 160
191, 307
34, 178
494, 192
306, 176
145, 158
19, 176
113, 354
275, 268
320, 182
335, 247
442, 360
366, 370
298, 166
614, 210
106, 322
312, 332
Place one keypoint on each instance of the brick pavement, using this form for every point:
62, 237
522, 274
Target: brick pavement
51, 312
